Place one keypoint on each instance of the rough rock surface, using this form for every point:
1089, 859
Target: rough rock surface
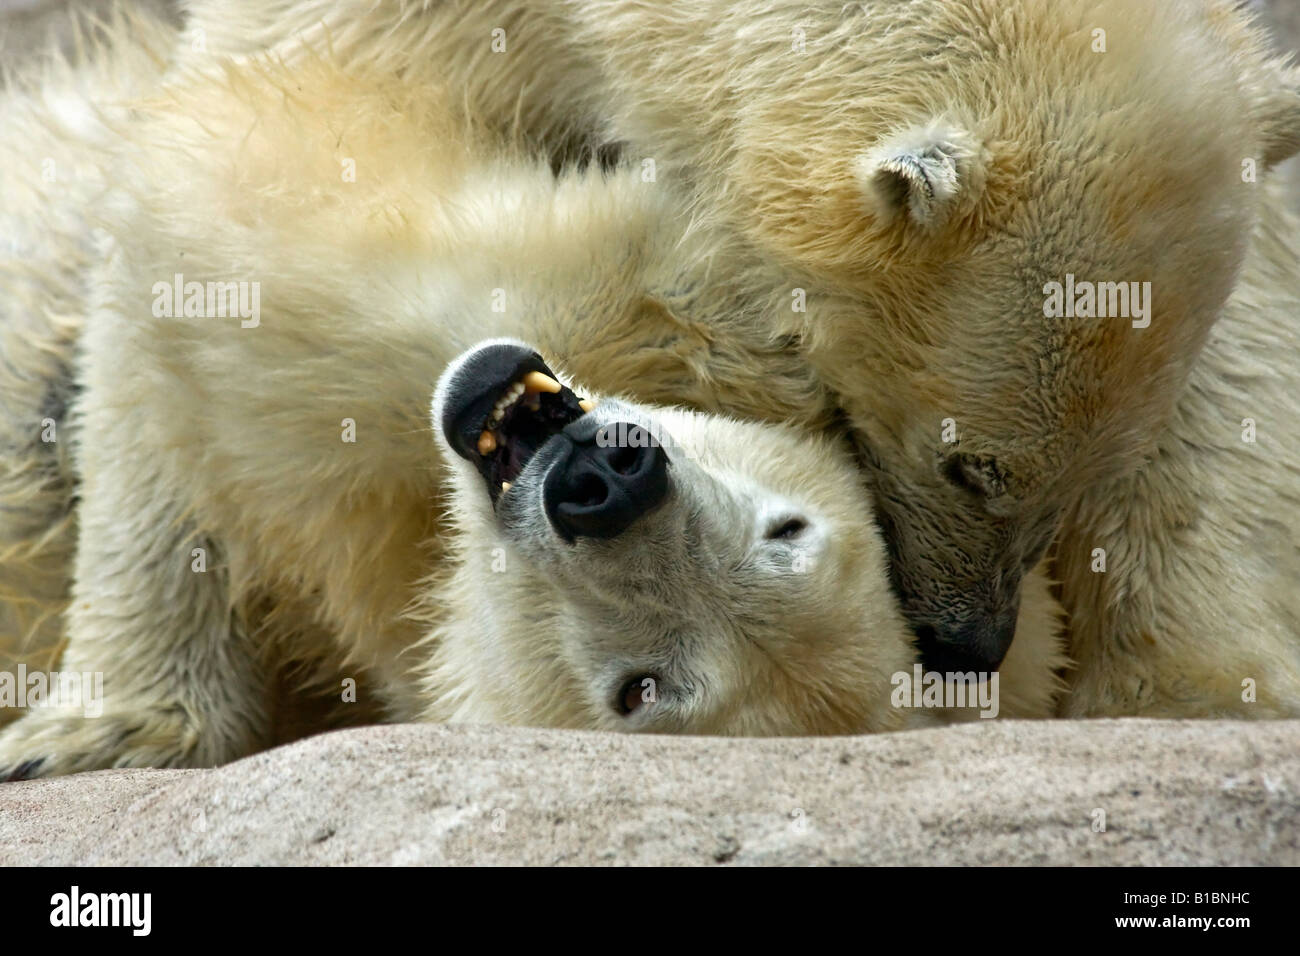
999, 792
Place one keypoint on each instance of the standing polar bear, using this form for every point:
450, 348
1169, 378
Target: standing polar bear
289, 259
924, 174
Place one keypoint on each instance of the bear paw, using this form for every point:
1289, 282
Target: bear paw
47, 744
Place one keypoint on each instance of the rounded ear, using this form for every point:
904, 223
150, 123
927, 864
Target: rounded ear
922, 172
1280, 114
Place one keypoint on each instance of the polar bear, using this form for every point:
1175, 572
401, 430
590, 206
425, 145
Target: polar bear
289, 257
924, 174
624, 567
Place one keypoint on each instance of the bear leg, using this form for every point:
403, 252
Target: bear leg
159, 670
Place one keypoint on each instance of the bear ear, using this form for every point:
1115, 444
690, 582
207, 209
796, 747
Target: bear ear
1280, 113
920, 172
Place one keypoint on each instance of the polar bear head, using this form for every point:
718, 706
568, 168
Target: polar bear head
1018, 222
654, 569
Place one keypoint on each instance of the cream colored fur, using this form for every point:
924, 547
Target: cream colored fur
52, 181
194, 437
921, 170
1198, 611
743, 635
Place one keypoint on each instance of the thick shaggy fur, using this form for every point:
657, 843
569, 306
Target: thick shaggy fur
1198, 611
230, 440
921, 171
195, 438
52, 182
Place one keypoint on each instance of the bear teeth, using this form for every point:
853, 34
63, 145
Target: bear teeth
512, 395
532, 384
541, 382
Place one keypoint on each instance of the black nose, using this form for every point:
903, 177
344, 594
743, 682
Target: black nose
605, 479
978, 645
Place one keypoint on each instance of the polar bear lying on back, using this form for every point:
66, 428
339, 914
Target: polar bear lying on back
653, 569
608, 565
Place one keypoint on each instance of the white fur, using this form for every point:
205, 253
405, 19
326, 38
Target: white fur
1093, 160
199, 434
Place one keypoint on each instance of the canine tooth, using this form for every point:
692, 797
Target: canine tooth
586, 404
505, 486
540, 382
487, 443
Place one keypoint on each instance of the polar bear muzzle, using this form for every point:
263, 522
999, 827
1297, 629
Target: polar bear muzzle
502, 409
501, 405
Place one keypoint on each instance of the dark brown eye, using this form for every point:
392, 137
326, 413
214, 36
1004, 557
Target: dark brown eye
637, 693
955, 474
788, 528
979, 474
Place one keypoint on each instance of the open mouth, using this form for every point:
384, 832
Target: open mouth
502, 406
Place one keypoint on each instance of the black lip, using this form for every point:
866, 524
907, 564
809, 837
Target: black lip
478, 384
474, 391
